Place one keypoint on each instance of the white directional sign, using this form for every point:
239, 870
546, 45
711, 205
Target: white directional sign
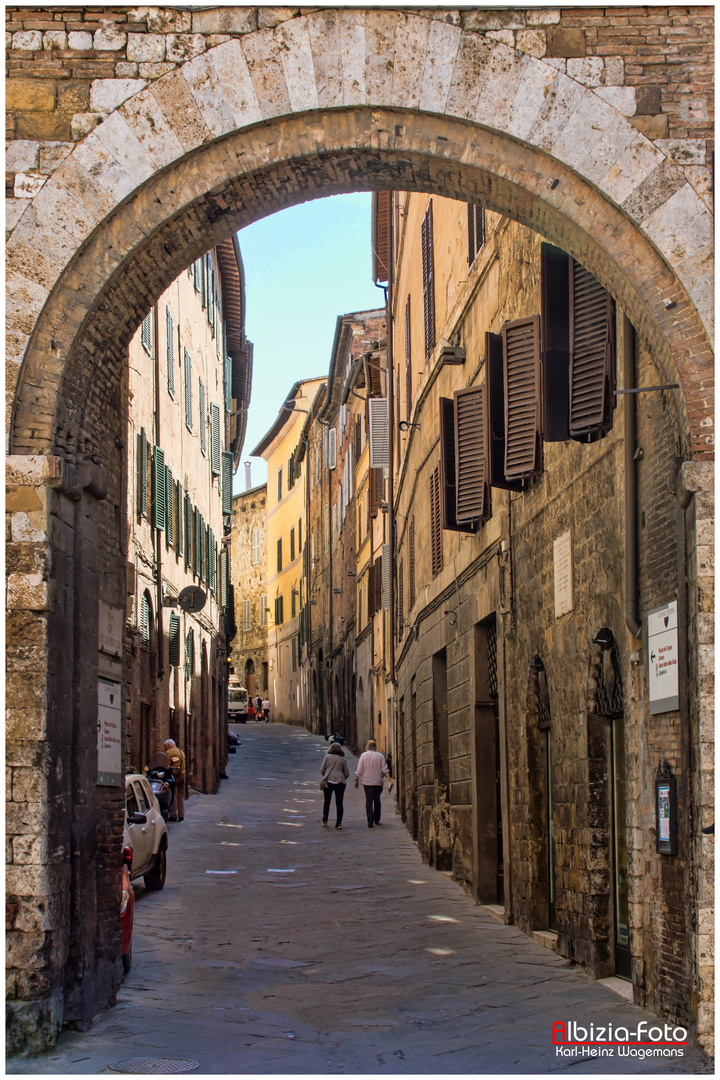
663, 672
109, 731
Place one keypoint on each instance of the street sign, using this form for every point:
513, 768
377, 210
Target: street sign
109, 731
663, 670
192, 598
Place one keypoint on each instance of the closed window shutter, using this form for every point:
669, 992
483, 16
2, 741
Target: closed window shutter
188, 532
158, 495
174, 641
188, 389
190, 655
592, 356
201, 409
142, 474
180, 513
203, 549
555, 337
448, 471
263, 611
472, 455
247, 614
435, 523
196, 541
197, 275
523, 436
290, 480
401, 608
144, 622
212, 561
223, 578
211, 295
227, 470
411, 565
378, 584
386, 567
376, 492
227, 378
332, 448
371, 591
146, 333
476, 230
495, 383
408, 361
379, 433
215, 449
170, 352
279, 555
428, 272
169, 508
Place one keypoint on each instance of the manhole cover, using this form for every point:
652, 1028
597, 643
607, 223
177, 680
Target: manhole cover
154, 1065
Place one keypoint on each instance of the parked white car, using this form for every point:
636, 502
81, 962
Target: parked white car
145, 832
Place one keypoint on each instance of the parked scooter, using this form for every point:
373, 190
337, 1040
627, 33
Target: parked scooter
335, 738
162, 782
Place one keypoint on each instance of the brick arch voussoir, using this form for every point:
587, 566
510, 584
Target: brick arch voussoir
78, 342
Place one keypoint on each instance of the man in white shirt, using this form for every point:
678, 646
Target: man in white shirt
371, 768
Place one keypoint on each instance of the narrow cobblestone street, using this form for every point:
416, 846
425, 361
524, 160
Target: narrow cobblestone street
278, 946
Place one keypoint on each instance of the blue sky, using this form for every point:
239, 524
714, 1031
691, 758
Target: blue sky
303, 267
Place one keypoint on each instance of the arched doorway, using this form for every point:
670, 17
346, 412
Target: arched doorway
173, 169
249, 678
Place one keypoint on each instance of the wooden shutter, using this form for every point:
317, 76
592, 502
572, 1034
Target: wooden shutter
428, 272
555, 337
332, 448
158, 494
215, 448
401, 607
146, 333
448, 471
592, 356
212, 561
188, 389
376, 491
472, 453
188, 531
174, 641
142, 459
292, 543
408, 361
378, 584
386, 570
197, 546
190, 655
435, 522
203, 418
279, 554
411, 564
521, 360
227, 473
495, 383
224, 578
290, 472
179, 511
476, 230
170, 352
169, 508
379, 433
144, 622
227, 383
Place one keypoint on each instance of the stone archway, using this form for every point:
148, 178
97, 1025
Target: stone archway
327, 102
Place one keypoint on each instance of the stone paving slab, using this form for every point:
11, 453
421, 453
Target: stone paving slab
330, 968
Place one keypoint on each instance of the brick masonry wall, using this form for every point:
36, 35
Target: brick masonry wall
250, 583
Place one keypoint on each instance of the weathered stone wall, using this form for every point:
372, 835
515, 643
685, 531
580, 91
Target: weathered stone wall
250, 583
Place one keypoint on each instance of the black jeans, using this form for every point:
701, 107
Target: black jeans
372, 803
339, 790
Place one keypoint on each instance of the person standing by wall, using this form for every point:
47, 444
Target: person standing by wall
371, 768
177, 763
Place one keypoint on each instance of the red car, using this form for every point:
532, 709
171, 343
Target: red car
127, 910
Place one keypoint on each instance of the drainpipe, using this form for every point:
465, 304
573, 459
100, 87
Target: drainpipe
391, 454
158, 536
630, 435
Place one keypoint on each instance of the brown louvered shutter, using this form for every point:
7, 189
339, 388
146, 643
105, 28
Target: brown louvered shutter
401, 608
408, 362
357, 437
521, 367
555, 337
397, 416
448, 470
378, 583
382, 236
411, 564
435, 522
472, 455
376, 490
592, 356
428, 269
371, 590
375, 380
495, 383
476, 230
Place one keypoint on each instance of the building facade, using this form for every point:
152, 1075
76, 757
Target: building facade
542, 517
286, 530
248, 576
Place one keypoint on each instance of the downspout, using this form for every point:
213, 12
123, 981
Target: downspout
630, 436
158, 536
391, 455
328, 696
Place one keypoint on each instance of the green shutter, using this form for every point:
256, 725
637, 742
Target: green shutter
227, 474
188, 531
290, 479
144, 622
174, 641
224, 576
201, 405
180, 518
227, 368
142, 473
169, 508
215, 439
158, 488
211, 560
197, 546
189, 655
170, 353
188, 389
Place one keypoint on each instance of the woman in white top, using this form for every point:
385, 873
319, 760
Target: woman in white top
335, 771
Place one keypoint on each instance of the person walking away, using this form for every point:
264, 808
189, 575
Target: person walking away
371, 768
266, 709
178, 766
334, 772
258, 708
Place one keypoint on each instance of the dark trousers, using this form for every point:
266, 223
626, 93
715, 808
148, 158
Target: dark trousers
339, 790
372, 803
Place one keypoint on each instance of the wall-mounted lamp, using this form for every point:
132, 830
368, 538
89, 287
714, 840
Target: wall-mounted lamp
385, 507
405, 425
452, 616
351, 573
